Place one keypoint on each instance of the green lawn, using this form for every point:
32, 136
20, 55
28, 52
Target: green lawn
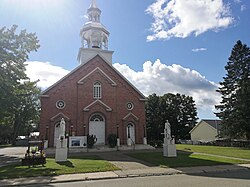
73, 165
183, 159
216, 150
5, 145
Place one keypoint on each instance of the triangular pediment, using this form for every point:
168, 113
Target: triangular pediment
99, 102
60, 115
130, 115
81, 81
97, 69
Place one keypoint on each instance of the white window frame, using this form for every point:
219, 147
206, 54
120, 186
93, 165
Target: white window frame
97, 90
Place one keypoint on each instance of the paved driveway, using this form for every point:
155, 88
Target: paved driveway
10, 155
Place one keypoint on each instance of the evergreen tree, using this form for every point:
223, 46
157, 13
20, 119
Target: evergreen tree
234, 109
18, 96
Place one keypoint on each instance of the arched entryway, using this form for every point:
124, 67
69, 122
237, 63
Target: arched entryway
97, 128
131, 131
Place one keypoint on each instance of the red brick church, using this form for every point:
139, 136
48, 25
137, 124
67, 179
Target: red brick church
94, 98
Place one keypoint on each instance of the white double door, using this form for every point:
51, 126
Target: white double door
97, 128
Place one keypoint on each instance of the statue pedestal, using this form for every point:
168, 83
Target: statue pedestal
118, 142
145, 141
45, 145
169, 148
61, 150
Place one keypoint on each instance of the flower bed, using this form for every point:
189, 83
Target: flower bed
34, 160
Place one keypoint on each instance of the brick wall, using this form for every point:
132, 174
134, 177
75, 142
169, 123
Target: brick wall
116, 92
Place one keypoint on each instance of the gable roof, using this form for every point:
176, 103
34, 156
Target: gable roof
215, 124
143, 98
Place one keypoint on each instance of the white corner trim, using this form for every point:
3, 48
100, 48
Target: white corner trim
113, 83
131, 114
87, 108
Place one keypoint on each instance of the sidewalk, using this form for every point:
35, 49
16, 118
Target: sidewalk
150, 171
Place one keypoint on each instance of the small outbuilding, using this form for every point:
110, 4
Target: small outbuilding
206, 130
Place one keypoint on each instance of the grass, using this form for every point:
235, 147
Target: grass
5, 145
51, 168
183, 159
216, 150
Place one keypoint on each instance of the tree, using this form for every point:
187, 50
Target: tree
153, 118
181, 113
178, 109
234, 109
18, 98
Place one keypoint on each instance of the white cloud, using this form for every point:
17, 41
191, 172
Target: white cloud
243, 8
237, 1
160, 79
178, 18
199, 49
46, 73
155, 78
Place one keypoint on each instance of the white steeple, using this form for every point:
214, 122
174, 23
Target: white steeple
93, 33
94, 37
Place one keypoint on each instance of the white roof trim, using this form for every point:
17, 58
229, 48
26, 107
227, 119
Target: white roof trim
108, 109
131, 114
113, 83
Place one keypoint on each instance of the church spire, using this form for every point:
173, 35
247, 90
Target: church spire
93, 4
93, 33
94, 36
94, 12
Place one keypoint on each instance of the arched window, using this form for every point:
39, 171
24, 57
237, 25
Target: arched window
97, 90
96, 117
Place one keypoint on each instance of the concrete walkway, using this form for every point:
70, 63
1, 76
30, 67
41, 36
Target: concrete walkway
123, 161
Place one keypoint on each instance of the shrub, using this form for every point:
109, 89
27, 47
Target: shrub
112, 140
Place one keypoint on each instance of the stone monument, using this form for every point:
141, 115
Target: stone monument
169, 148
61, 144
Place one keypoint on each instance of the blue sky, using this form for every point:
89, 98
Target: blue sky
160, 45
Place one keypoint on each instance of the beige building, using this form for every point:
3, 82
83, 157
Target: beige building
206, 130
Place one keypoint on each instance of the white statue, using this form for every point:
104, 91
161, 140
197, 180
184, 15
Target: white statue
62, 128
167, 130
169, 148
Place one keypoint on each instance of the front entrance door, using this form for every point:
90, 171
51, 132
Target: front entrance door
131, 132
97, 128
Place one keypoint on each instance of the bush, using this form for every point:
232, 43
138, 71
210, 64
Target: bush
112, 140
91, 140
156, 143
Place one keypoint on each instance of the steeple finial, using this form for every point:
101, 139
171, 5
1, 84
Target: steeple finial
93, 4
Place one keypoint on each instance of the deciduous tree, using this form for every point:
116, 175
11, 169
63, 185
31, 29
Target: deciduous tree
179, 110
18, 99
